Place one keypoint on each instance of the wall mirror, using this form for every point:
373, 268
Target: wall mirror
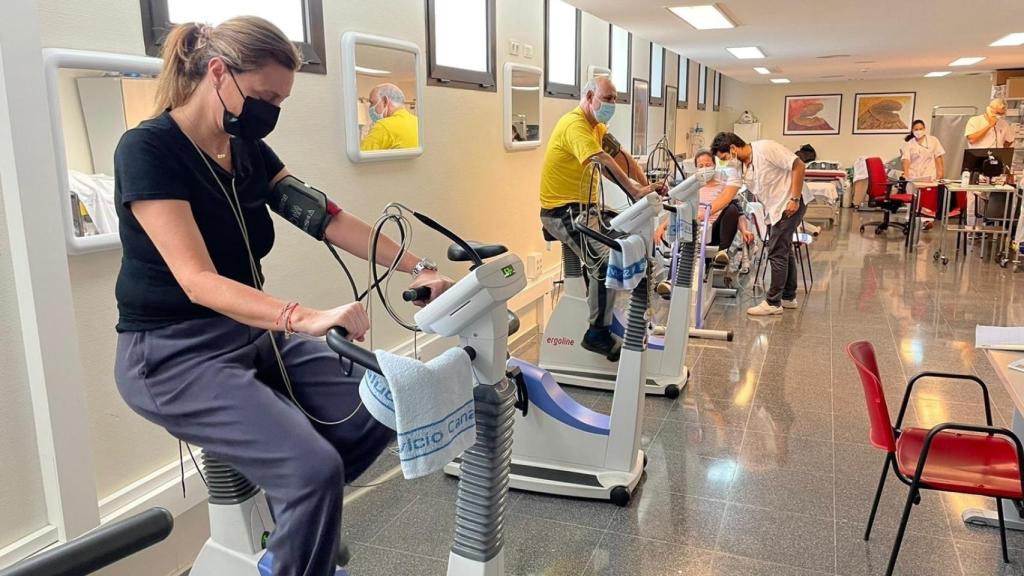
521, 114
382, 90
640, 110
94, 97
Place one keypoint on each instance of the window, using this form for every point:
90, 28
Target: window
460, 44
300, 20
702, 87
684, 82
620, 54
717, 100
657, 74
561, 49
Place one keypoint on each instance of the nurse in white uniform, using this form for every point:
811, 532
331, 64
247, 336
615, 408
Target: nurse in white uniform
923, 161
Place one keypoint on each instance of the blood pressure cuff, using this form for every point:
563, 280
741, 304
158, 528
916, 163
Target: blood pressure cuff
304, 206
610, 145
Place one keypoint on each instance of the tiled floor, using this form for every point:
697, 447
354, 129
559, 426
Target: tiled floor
762, 467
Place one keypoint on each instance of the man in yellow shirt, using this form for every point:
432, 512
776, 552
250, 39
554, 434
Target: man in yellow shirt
394, 126
579, 138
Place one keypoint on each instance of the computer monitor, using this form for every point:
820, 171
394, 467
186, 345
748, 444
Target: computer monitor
976, 161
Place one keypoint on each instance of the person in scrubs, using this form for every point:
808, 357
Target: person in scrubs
923, 161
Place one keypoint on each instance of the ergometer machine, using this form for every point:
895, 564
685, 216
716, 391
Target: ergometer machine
561, 351
565, 448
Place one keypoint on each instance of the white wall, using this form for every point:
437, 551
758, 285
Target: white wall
767, 101
21, 491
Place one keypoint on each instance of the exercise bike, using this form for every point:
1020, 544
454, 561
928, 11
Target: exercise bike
562, 354
475, 309
565, 448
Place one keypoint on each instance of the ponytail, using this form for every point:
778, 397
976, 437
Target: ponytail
244, 43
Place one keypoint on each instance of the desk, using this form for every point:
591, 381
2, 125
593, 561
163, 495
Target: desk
1013, 381
1009, 207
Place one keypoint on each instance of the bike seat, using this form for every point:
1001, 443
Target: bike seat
457, 254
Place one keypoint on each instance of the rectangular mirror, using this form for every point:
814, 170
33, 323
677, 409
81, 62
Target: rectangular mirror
382, 89
671, 97
94, 98
521, 114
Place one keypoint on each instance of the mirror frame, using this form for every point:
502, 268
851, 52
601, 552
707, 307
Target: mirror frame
55, 59
349, 94
506, 112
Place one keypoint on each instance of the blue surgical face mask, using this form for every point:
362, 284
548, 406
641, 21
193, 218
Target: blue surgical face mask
706, 174
374, 115
605, 112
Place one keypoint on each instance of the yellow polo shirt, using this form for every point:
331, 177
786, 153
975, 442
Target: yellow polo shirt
572, 143
400, 130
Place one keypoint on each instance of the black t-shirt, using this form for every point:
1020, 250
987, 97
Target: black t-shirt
156, 161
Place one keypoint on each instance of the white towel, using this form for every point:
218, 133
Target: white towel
627, 267
429, 404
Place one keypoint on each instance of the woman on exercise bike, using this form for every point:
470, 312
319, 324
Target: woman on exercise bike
202, 349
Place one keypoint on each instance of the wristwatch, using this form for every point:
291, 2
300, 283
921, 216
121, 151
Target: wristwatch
425, 264
797, 199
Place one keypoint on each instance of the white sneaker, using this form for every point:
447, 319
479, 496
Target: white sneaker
790, 304
764, 309
658, 330
722, 259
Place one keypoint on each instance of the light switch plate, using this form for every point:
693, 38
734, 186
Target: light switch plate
528, 50
514, 47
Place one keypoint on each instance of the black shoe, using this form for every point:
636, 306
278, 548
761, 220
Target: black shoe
598, 341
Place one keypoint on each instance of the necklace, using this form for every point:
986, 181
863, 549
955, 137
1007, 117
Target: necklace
217, 155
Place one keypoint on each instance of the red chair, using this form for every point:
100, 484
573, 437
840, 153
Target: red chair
889, 195
950, 457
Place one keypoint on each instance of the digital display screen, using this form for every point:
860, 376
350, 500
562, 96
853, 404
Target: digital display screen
509, 271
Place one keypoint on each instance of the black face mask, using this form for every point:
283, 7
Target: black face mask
257, 119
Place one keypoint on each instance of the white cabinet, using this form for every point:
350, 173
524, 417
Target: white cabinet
749, 132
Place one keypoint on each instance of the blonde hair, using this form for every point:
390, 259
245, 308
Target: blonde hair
244, 43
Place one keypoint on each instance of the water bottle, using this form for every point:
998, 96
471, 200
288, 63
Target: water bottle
965, 178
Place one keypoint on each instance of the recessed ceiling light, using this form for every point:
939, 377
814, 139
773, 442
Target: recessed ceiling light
762, 70
967, 61
706, 17
1015, 39
937, 74
747, 52
780, 80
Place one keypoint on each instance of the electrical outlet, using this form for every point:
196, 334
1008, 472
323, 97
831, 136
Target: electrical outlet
514, 47
528, 50
534, 265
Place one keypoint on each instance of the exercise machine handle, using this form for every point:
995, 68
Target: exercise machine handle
415, 294
99, 548
337, 339
596, 236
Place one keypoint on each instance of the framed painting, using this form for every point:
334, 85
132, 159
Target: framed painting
641, 97
812, 115
883, 113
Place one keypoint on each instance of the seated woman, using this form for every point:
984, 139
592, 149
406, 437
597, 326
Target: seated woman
718, 189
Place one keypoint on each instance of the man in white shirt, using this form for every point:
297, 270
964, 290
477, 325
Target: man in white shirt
990, 130
776, 176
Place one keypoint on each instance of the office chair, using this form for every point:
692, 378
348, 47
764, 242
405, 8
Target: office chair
889, 195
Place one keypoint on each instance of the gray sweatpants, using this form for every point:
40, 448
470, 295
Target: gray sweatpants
215, 383
558, 223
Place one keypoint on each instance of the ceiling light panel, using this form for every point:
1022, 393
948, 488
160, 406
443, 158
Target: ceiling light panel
705, 17
746, 52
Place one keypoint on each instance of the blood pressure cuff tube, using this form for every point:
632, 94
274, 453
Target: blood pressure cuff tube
304, 206
610, 145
